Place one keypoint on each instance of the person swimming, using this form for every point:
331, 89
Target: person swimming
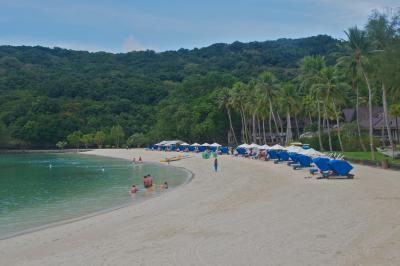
140, 159
147, 181
164, 186
133, 189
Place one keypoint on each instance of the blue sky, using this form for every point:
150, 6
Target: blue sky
121, 26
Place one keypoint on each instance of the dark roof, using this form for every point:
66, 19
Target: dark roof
377, 117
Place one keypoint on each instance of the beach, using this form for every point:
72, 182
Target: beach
250, 212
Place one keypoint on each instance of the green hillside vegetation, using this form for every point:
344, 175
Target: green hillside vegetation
47, 94
247, 90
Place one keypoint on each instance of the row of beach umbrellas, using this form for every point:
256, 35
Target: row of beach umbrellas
193, 145
309, 152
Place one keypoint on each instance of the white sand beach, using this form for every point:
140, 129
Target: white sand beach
249, 213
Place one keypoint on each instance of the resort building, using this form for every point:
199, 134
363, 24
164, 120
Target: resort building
378, 121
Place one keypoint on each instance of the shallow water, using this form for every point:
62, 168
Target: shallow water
38, 189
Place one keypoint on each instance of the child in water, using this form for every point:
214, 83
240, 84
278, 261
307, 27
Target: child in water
164, 186
133, 189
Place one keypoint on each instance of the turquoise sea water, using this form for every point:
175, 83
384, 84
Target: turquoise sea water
39, 189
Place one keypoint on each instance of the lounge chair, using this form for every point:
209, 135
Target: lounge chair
273, 154
304, 161
322, 163
283, 156
224, 150
335, 168
293, 156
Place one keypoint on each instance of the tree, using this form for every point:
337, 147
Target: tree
75, 139
329, 84
395, 112
61, 144
225, 101
138, 140
359, 47
87, 139
238, 101
117, 135
310, 69
287, 94
269, 84
381, 33
350, 64
99, 138
4, 135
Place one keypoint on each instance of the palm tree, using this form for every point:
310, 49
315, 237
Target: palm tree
270, 84
381, 32
334, 104
359, 47
308, 106
395, 112
310, 68
252, 107
288, 92
225, 101
328, 84
239, 96
349, 62
262, 110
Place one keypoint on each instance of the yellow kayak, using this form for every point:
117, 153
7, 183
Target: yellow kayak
171, 159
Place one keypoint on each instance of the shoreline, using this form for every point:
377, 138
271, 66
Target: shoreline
27, 151
89, 215
249, 213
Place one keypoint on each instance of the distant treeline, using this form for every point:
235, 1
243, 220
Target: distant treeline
48, 94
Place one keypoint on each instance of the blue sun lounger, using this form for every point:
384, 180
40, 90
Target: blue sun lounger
322, 163
283, 156
335, 168
304, 161
224, 150
241, 151
294, 158
273, 154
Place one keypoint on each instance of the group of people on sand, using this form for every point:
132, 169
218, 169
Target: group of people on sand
148, 185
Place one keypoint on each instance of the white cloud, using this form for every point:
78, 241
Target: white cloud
131, 44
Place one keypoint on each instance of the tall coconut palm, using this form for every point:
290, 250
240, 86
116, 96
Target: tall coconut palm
270, 85
381, 33
238, 101
395, 112
329, 85
262, 103
225, 101
359, 47
310, 68
308, 106
253, 107
287, 94
349, 62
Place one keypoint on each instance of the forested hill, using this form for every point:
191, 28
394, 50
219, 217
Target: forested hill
46, 94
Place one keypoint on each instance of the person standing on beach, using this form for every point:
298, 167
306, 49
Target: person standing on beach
216, 164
